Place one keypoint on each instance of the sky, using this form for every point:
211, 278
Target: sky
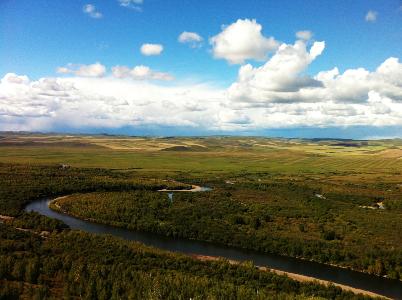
296, 68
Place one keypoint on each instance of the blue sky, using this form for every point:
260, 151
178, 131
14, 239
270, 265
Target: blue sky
37, 37
42, 35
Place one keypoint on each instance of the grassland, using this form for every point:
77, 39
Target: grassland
201, 155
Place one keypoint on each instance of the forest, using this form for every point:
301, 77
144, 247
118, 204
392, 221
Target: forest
312, 231
76, 265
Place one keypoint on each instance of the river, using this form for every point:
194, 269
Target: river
379, 285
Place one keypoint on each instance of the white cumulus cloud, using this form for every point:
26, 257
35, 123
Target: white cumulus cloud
151, 49
280, 78
140, 73
304, 35
276, 94
91, 11
93, 70
133, 4
371, 16
241, 41
191, 38
107, 102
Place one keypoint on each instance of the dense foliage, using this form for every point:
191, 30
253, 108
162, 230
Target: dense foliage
37, 222
75, 265
315, 229
20, 184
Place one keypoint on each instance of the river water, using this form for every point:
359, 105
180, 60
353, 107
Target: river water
383, 286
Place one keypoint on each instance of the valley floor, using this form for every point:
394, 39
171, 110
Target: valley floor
298, 198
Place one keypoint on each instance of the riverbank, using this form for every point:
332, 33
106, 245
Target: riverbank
194, 188
297, 277
170, 246
294, 276
78, 214
5, 219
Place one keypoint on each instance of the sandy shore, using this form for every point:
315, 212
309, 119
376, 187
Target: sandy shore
5, 218
194, 188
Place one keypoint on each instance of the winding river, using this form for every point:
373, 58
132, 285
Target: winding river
382, 286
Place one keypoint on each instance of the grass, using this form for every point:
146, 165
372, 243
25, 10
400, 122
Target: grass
218, 155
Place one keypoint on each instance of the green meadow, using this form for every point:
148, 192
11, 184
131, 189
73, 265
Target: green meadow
200, 155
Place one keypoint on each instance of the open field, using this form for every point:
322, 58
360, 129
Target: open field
214, 154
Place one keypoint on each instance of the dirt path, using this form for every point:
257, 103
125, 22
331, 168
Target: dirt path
297, 277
